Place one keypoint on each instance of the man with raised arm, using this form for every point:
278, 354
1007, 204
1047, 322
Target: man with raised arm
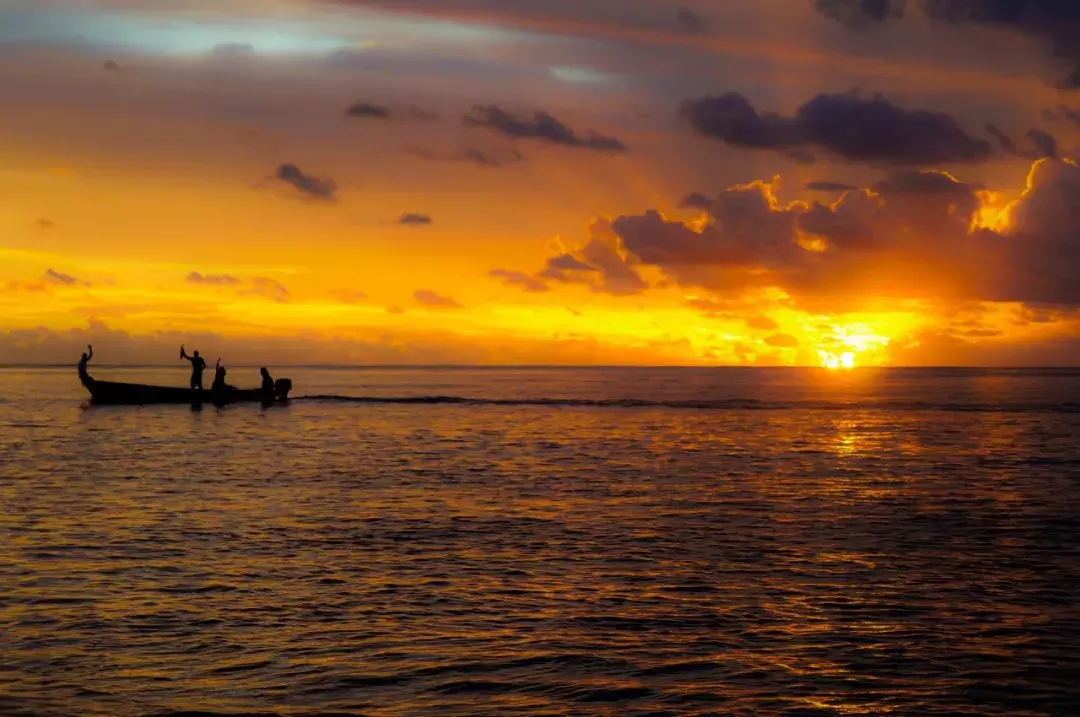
197, 367
83, 376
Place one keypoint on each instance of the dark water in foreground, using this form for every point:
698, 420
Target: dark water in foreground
684, 542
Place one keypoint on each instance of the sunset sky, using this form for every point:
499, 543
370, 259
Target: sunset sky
713, 182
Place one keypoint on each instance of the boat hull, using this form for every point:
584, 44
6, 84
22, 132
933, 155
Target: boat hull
113, 393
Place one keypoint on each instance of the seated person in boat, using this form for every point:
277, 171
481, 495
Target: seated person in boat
197, 366
83, 376
219, 378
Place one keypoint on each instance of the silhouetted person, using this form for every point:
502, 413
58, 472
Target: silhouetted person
197, 366
268, 383
83, 376
219, 378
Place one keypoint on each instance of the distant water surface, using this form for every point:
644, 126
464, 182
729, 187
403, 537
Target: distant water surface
544, 542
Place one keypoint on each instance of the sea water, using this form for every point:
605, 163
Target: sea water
544, 542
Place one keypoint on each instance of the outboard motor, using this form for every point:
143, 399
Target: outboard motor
282, 387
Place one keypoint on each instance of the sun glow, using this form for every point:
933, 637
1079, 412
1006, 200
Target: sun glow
835, 362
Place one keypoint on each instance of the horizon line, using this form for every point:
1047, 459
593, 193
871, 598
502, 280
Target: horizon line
1058, 367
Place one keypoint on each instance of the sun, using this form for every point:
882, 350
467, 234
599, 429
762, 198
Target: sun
835, 362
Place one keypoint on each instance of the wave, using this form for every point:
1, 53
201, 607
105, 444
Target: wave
726, 404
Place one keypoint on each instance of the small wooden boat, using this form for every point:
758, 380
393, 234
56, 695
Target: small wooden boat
113, 393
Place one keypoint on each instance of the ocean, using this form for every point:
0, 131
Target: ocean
565, 541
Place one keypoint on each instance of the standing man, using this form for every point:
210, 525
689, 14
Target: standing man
197, 366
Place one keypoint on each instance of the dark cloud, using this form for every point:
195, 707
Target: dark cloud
307, 184
367, 109
371, 110
859, 13
1053, 22
46, 224
494, 158
827, 186
433, 300
111, 65
926, 183
691, 21
695, 200
411, 219
540, 126
1007, 145
750, 231
497, 158
849, 125
51, 276
520, 279
567, 262
211, 279
1044, 142
913, 235
1062, 112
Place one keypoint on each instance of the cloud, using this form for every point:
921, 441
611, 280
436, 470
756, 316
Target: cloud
51, 276
859, 13
827, 186
1053, 22
915, 235
270, 288
433, 300
411, 219
371, 110
848, 125
211, 279
520, 279
367, 109
928, 183
761, 323
1007, 145
498, 157
749, 230
1062, 112
540, 126
695, 200
46, 224
603, 263
1044, 142
110, 65
307, 184
782, 341
568, 262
